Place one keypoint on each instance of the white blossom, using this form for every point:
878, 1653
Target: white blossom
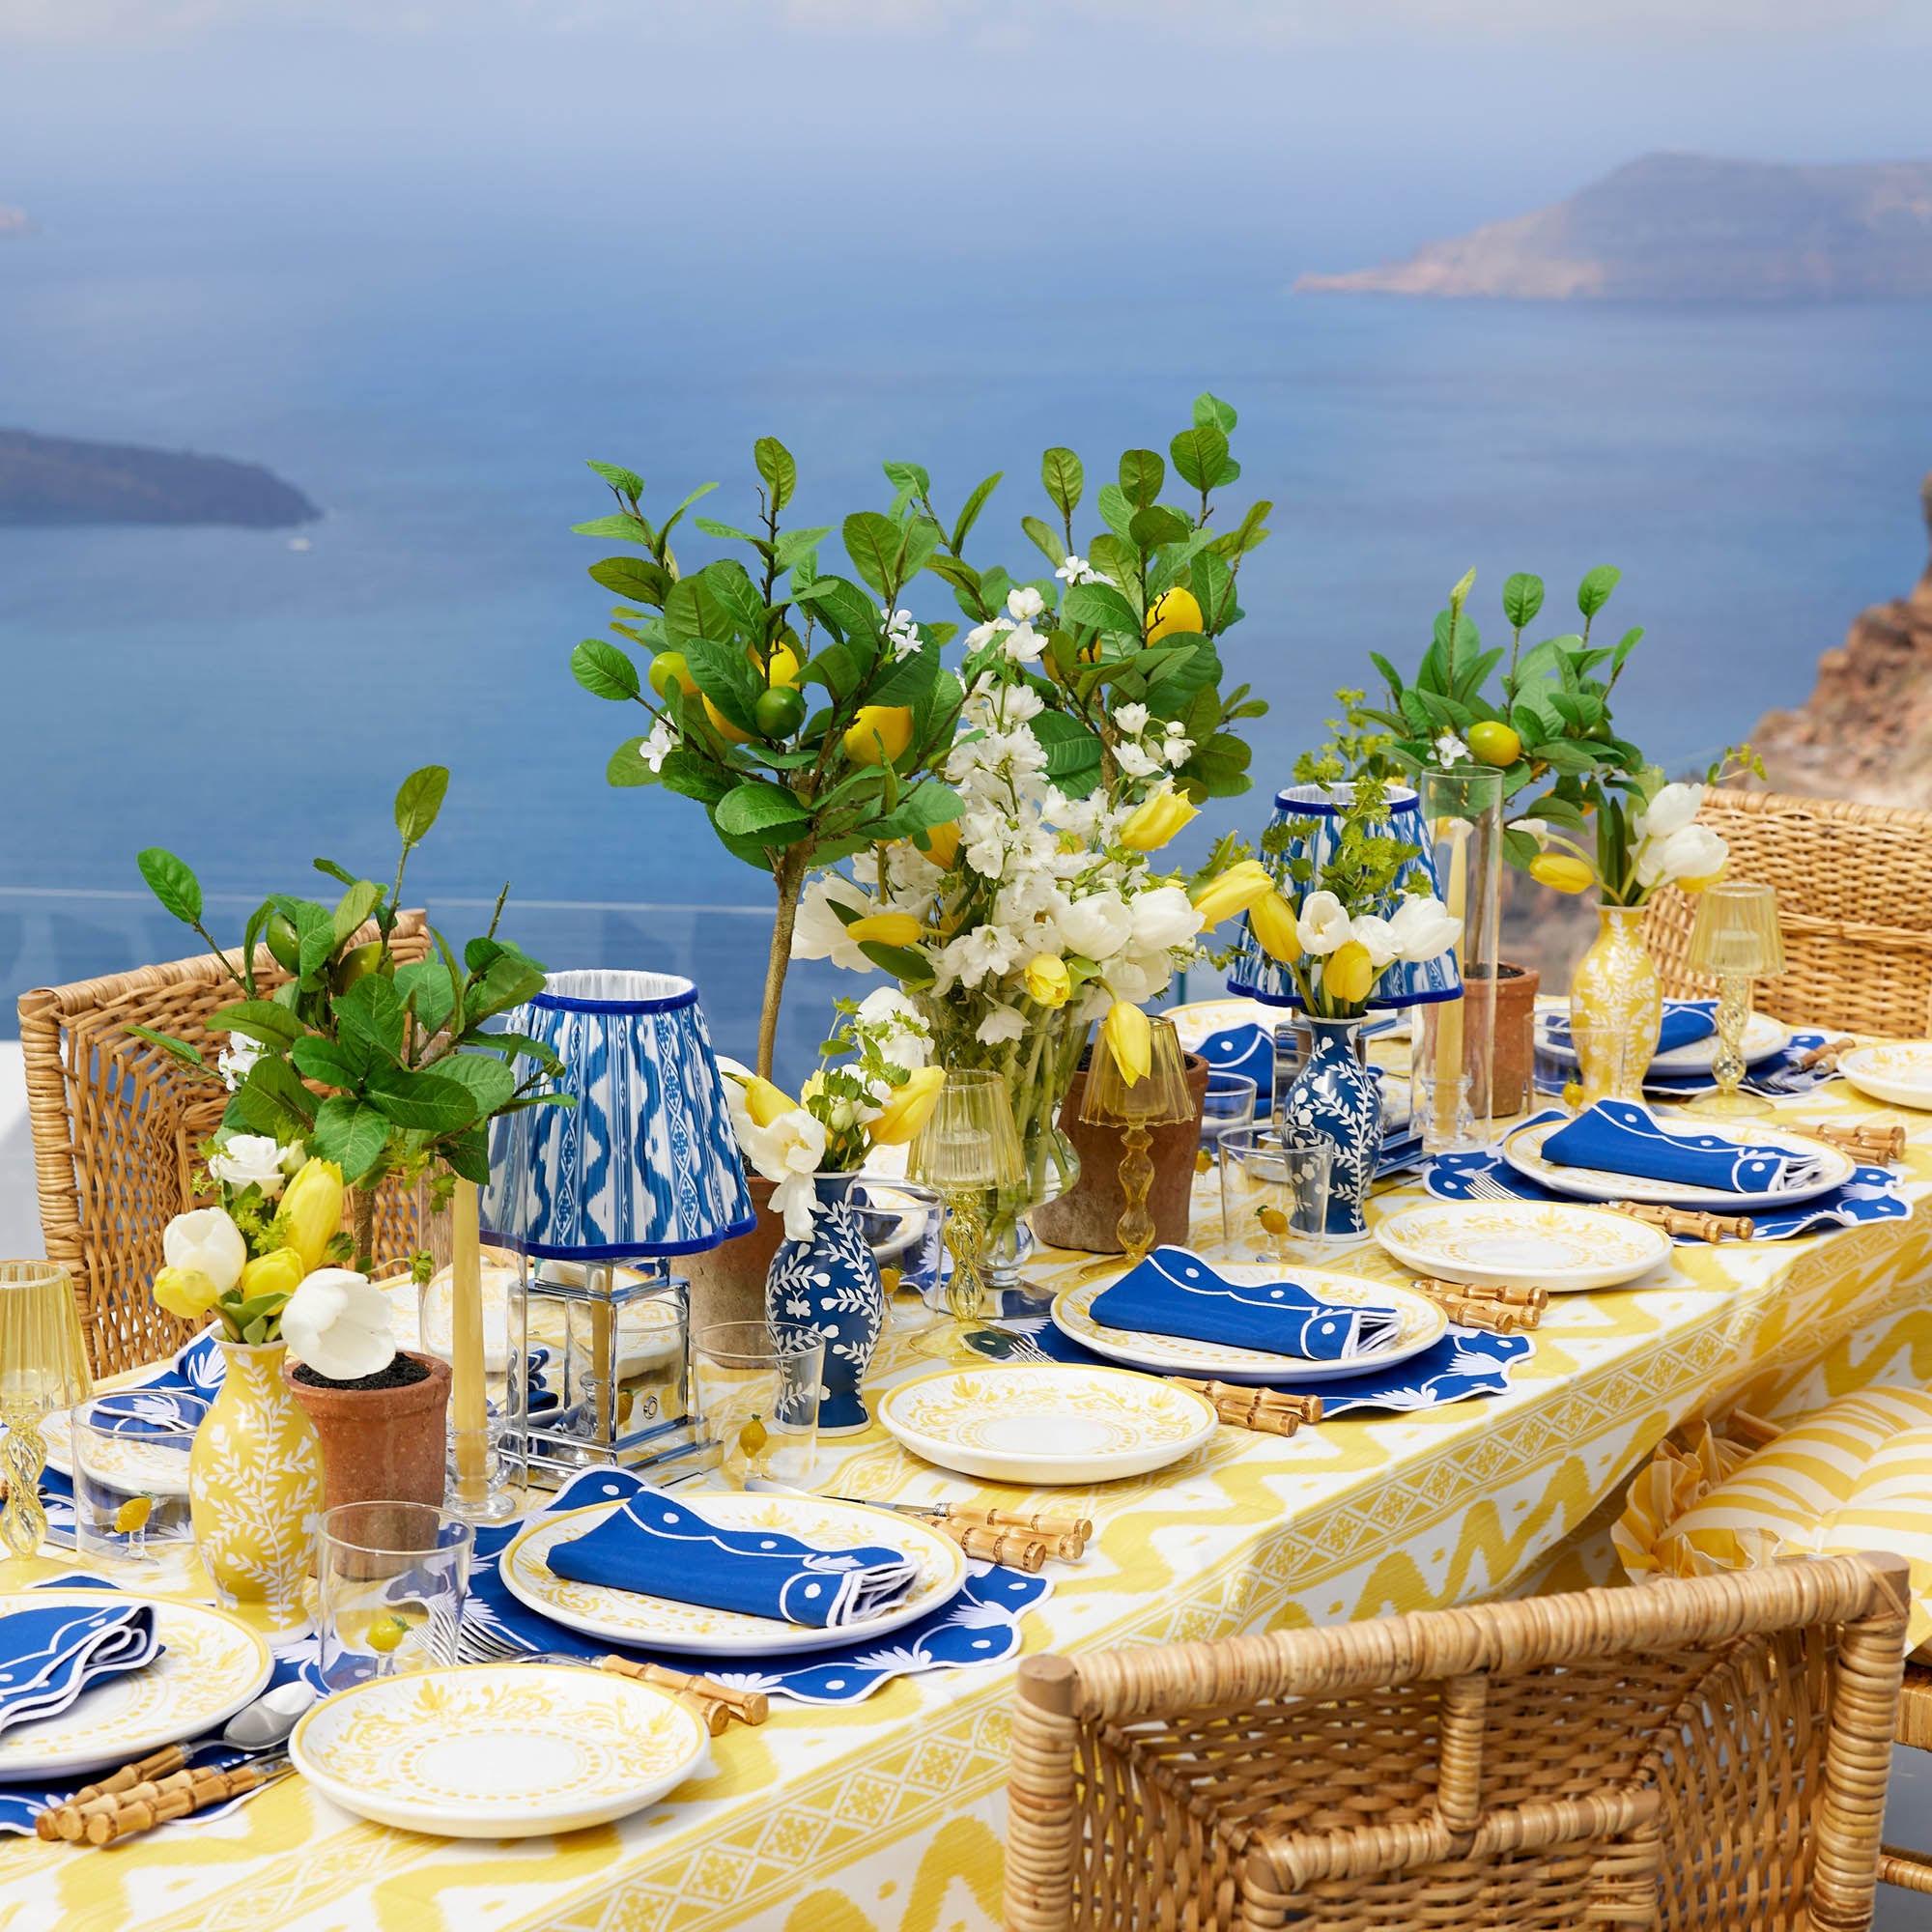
236, 1059
1024, 644
257, 1158
1025, 603
1163, 919
901, 635
820, 933
1670, 810
1097, 927
659, 745
1077, 569
1132, 719
1423, 928
982, 634
1002, 1023
1134, 762
337, 1321
1324, 924
1450, 750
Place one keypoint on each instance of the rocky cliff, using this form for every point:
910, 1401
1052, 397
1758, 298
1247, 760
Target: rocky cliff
1690, 228
1865, 732
48, 479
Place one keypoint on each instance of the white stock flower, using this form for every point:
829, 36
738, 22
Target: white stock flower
206, 1241
1002, 1024
1450, 750
338, 1323
1423, 928
984, 633
1377, 936
236, 1058
1097, 926
983, 950
1019, 704
982, 837
820, 933
1324, 924
1672, 810
1176, 748
901, 635
659, 745
903, 1036
1135, 762
1025, 603
1163, 919
1077, 569
1132, 719
1024, 644
259, 1159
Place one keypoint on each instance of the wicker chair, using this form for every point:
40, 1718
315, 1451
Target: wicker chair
1855, 900
1709, 1754
118, 1125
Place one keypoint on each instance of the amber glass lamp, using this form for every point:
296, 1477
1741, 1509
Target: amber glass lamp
1735, 940
1158, 1097
43, 1367
967, 1151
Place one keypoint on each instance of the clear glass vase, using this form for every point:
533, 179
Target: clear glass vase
1037, 1069
1616, 1007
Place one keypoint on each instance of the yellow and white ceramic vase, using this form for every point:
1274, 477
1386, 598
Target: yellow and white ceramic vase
1616, 1007
255, 1490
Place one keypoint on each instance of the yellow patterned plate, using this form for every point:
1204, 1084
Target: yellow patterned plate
1523, 1151
1037, 1426
1763, 1038
661, 1623
499, 1751
210, 1664
1896, 1071
1523, 1243
1422, 1322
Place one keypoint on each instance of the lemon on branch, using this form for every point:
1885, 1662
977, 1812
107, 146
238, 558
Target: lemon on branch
879, 733
1174, 610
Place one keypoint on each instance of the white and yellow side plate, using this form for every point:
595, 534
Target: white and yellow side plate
1763, 1038
499, 1751
210, 1665
1199, 1018
1523, 1243
662, 1623
1422, 1323
1896, 1071
1034, 1425
1523, 1151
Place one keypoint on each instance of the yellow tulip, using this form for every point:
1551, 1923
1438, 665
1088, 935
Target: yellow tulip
279, 1273
1562, 872
886, 928
765, 1102
1234, 891
185, 1291
942, 844
908, 1108
1129, 1040
1174, 611
311, 1212
1157, 820
877, 726
1349, 975
1048, 983
1271, 920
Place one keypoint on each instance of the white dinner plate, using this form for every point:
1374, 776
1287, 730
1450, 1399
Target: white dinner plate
1763, 1038
499, 1751
1522, 1150
661, 1623
211, 1663
1896, 1071
1195, 1021
1422, 1323
1551, 1244
1036, 1425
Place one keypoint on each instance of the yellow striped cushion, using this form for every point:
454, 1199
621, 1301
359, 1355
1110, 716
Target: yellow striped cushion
1890, 1508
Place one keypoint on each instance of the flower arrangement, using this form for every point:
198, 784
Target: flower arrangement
874, 1087
358, 1068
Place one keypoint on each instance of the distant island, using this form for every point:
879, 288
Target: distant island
50, 479
1690, 228
13, 220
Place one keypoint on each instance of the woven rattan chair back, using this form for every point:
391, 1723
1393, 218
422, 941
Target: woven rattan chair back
1697, 1754
117, 1126
1855, 900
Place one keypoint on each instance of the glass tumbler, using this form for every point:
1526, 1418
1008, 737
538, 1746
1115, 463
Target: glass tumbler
391, 1578
757, 1388
130, 1454
1274, 1192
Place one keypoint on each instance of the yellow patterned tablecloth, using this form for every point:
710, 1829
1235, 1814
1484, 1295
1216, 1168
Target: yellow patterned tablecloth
886, 1818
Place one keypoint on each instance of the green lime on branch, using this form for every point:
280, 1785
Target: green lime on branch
778, 711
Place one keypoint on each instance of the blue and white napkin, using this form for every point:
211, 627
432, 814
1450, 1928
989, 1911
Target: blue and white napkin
1247, 1049
50, 1653
659, 1546
1685, 1023
1173, 1292
1622, 1137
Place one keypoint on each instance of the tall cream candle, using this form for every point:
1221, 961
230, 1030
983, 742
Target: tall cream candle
467, 1408
1449, 1013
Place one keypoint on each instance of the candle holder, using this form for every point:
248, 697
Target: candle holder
968, 1149
1137, 1104
43, 1367
1735, 940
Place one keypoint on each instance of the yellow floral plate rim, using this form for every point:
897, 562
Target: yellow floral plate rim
1181, 1421
610, 1746
658, 1623
1523, 1151
1895, 1071
1423, 1324
1763, 1038
1422, 1236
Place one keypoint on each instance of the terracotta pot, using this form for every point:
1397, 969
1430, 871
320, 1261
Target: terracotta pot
1513, 1069
1084, 1216
380, 1445
728, 1284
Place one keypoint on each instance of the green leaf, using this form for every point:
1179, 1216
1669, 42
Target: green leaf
692, 775
1116, 512
921, 807
919, 542
693, 610
334, 1062
351, 1132
620, 478
371, 1010
670, 521
315, 933
1626, 644
604, 671
872, 543
627, 766
176, 1049
1198, 455
1522, 599
173, 882
909, 479
1063, 479
466, 1155
622, 525
1100, 603
1046, 539
775, 465
1564, 758
353, 909
712, 528
427, 1102
1157, 524
1248, 535
969, 515
1071, 747
1177, 681
419, 800
757, 807
1141, 474
640, 579
847, 610
273, 1079
1219, 766
428, 981
909, 968
1594, 592
1213, 585
1208, 407
489, 1082
509, 982
259, 1019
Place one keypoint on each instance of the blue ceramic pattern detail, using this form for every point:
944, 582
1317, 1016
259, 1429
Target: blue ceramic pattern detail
831, 1284
1312, 810
979, 1626
646, 1162
1335, 1095
1871, 1194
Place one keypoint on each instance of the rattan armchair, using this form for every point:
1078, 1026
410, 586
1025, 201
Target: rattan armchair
118, 1125
1855, 900
1709, 1753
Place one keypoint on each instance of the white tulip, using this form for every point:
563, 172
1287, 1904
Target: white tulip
1379, 936
207, 1242
792, 1144
1423, 928
1693, 852
1096, 926
1672, 809
1324, 924
338, 1323
259, 1159
820, 933
1163, 919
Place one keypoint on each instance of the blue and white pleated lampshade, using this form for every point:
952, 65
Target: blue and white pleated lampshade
1313, 812
646, 1162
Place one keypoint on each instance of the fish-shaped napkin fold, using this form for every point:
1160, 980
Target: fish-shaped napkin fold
1621, 1137
49, 1654
1247, 1049
659, 1546
1685, 1023
1173, 1292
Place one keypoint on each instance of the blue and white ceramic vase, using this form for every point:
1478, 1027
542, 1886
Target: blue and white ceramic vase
1335, 1095
831, 1284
